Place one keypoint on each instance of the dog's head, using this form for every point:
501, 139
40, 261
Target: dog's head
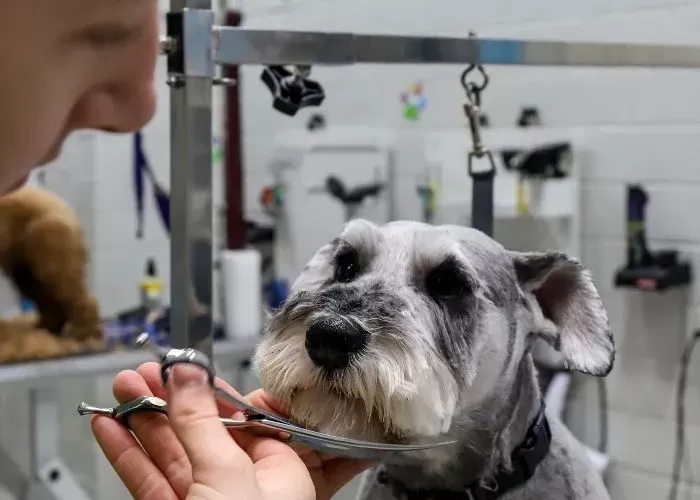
392, 331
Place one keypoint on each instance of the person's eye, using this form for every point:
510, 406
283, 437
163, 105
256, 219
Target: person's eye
105, 35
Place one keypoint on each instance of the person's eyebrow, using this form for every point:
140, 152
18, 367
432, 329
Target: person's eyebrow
92, 4
103, 22
102, 33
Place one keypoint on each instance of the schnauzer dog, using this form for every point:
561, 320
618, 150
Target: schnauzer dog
408, 332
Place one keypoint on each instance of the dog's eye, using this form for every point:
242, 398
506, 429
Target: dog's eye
445, 282
347, 267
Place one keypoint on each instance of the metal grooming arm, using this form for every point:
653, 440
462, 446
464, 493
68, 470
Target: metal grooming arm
195, 47
247, 46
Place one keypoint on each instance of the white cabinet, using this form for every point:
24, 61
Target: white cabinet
309, 216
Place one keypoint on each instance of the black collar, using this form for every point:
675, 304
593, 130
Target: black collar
525, 458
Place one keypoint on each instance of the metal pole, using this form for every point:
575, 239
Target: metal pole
258, 46
234, 173
190, 73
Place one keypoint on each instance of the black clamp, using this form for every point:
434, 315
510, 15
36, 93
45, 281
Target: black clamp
336, 188
292, 90
548, 161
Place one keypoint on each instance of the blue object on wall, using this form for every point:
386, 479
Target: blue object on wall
276, 292
138, 173
501, 51
142, 169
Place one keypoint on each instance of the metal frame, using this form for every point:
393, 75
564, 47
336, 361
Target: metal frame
245, 46
196, 47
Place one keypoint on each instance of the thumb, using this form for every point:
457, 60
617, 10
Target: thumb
194, 417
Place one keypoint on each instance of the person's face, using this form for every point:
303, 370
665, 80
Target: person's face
69, 65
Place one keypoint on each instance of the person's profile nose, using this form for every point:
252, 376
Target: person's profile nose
119, 110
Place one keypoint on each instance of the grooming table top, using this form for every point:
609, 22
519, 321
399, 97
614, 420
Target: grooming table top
53, 372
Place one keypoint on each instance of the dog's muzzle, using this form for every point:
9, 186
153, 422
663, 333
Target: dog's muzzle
331, 341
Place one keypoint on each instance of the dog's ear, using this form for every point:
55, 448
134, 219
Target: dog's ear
570, 314
318, 269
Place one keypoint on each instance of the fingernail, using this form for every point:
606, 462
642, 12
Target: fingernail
187, 375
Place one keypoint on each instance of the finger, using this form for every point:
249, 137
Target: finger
284, 478
154, 433
280, 472
216, 459
139, 474
151, 374
339, 471
263, 400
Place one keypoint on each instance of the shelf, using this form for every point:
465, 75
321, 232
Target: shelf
553, 198
336, 139
53, 372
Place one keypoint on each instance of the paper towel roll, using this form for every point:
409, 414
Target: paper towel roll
242, 287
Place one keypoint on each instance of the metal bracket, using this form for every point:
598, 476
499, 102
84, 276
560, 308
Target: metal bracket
189, 42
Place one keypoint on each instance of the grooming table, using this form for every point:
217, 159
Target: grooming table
49, 476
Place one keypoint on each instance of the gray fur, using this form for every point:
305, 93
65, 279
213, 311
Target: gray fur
455, 367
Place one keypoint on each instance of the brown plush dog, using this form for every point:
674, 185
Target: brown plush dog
43, 253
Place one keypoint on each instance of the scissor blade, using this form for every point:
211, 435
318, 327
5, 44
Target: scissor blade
301, 433
248, 408
358, 450
310, 437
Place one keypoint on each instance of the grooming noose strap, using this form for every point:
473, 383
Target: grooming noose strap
482, 180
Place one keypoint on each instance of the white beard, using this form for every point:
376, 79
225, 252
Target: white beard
390, 393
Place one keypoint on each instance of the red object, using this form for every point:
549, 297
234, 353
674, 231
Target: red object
266, 196
646, 284
235, 224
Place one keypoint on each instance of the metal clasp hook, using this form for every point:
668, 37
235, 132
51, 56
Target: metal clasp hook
472, 88
472, 109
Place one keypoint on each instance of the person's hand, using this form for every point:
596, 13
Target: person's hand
328, 473
191, 455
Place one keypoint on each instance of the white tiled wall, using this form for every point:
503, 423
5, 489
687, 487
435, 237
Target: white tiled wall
641, 125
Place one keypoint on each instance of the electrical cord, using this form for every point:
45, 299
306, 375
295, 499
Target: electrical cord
603, 418
680, 414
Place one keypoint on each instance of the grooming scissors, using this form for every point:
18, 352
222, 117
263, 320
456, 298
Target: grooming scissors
255, 420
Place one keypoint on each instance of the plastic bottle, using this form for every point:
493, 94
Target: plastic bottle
151, 287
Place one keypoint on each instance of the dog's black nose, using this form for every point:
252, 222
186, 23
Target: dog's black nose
331, 342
